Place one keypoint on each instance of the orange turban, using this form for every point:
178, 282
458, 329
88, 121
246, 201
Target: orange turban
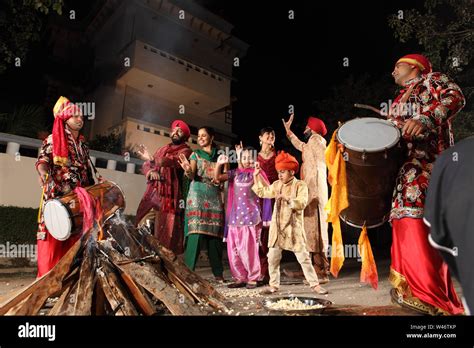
285, 161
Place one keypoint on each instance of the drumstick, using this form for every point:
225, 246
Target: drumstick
368, 107
42, 197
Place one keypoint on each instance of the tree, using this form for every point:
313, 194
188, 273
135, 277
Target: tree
362, 90
444, 32
21, 22
110, 143
25, 120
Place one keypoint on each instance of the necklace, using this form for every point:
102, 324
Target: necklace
266, 153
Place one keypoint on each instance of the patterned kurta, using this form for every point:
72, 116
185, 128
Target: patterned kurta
313, 172
245, 205
286, 228
268, 166
64, 179
204, 206
432, 99
163, 197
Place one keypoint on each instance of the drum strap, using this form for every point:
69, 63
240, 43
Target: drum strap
42, 198
97, 175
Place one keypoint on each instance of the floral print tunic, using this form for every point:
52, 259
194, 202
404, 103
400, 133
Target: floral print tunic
432, 99
64, 179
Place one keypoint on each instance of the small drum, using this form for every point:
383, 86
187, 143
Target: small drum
372, 153
63, 218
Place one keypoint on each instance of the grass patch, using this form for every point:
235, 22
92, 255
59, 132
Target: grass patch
18, 225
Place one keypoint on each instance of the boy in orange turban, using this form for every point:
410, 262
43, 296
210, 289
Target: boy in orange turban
286, 228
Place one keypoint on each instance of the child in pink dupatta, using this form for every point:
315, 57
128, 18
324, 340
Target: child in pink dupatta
244, 220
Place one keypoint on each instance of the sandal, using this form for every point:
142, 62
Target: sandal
319, 290
323, 279
236, 285
251, 286
219, 279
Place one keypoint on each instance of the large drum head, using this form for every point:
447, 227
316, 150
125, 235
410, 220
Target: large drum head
57, 220
368, 134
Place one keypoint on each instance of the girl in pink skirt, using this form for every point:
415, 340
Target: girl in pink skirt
244, 219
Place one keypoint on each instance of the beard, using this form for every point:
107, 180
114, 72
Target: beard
177, 140
307, 135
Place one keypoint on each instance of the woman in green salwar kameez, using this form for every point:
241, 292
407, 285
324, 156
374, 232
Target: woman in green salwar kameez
204, 216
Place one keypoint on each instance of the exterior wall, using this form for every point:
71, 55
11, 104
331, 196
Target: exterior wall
19, 184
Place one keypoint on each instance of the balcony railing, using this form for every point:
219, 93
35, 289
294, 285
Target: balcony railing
14, 143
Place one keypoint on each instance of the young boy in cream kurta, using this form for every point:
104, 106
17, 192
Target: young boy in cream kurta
286, 228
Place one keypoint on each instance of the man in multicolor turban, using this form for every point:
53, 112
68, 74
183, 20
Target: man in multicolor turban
63, 166
162, 204
313, 173
286, 228
423, 111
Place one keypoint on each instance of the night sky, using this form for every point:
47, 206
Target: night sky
299, 61
294, 62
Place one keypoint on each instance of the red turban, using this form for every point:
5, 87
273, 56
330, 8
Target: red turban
285, 161
417, 60
62, 111
184, 127
317, 125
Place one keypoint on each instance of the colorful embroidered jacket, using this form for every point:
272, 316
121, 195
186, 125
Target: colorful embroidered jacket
64, 179
432, 99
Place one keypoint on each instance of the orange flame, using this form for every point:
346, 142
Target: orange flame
99, 215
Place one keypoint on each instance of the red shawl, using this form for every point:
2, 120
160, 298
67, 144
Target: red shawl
165, 194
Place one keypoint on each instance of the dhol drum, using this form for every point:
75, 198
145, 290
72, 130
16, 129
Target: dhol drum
63, 218
372, 154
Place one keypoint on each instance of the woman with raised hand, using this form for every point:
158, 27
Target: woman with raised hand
204, 216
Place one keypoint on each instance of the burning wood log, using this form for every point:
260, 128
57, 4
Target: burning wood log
140, 295
45, 286
86, 283
115, 292
126, 273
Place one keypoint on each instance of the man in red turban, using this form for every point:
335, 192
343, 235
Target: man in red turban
313, 172
423, 111
162, 204
63, 166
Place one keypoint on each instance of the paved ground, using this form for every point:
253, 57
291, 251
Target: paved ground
348, 295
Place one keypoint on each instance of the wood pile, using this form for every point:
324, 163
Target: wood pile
127, 272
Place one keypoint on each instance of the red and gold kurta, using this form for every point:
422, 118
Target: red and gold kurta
164, 197
432, 99
62, 180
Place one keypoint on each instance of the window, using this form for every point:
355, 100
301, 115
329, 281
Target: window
228, 116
